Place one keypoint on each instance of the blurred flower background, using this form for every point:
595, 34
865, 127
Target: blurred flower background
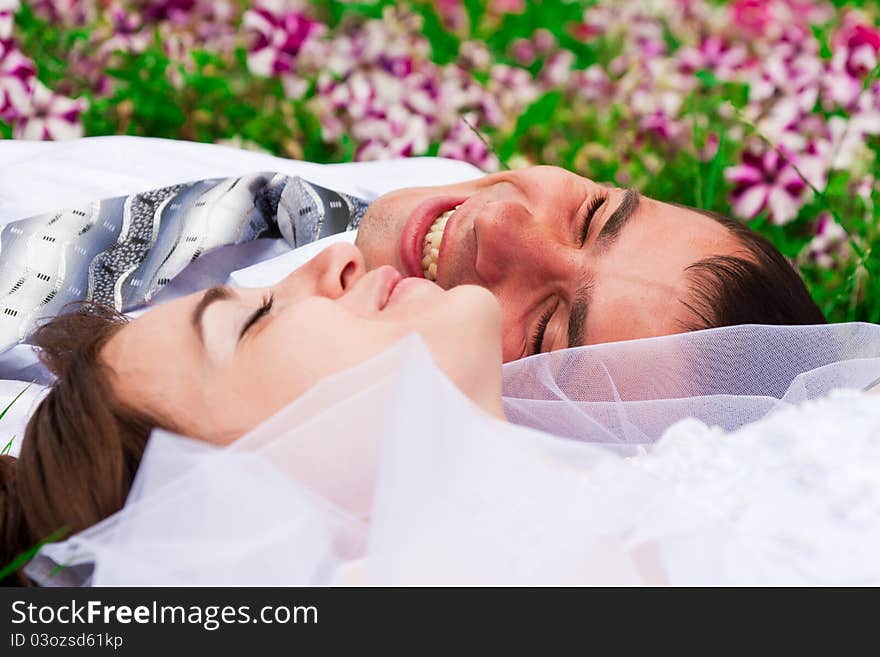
767, 110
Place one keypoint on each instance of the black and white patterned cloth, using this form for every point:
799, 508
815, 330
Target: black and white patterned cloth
122, 251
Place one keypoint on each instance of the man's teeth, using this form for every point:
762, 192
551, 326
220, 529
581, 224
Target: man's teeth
431, 246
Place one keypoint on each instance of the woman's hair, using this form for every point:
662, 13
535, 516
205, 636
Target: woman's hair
762, 287
81, 447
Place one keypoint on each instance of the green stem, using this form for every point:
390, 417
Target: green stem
486, 143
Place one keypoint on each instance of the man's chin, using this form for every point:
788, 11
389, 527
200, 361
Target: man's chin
378, 240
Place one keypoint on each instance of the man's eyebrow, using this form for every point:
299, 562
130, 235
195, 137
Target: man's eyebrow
216, 293
624, 212
577, 317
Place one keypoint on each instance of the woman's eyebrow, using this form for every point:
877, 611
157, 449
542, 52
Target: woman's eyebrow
618, 219
216, 293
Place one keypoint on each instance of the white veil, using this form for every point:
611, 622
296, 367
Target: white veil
631, 392
387, 474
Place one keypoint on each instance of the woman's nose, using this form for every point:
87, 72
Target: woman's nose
340, 266
334, 270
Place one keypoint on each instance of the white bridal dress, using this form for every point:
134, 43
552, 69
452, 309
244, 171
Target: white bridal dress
720, 457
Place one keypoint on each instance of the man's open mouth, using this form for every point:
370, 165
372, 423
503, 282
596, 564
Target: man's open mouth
431, 244
423, 234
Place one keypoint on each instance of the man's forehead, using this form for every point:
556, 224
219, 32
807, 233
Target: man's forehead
634, 306
641, 286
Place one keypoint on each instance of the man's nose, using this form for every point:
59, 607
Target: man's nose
512, 245
333, 271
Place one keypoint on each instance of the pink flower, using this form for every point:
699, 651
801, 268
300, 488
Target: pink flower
830, 243
523, 50
462, 144
173, 10
17, 75
854, 34
557, 69
127, 33
666, 128
65, 12
544, 41
474, 55
50, 116
856, 47
507, 6
710, 148
7, 16
723, 59
452, 13
585, 31
752, 16
766, 181
277, 38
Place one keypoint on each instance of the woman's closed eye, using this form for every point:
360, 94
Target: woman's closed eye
591, 212
261, 312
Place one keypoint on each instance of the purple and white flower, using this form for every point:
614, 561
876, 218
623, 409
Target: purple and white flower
278, 35
7, 17
17, 76
66, 12
462, 144
768, 181
50, 116
830, 243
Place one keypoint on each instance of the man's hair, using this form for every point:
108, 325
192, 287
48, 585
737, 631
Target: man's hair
759, 287
81, 447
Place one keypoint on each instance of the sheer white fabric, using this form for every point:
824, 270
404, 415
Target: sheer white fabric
631, 392
387, 474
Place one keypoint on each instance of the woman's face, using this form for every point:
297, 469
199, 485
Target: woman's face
217, 363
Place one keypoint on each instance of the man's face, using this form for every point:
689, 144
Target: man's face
571, 262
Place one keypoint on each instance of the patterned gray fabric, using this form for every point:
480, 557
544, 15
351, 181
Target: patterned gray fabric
122, 251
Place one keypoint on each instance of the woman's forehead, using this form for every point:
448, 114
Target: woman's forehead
156, 354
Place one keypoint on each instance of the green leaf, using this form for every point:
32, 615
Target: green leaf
444, 44
714, 174
337, 10
15, 399
313, 148
475, 10
822, 36
24, 557
708, 79
8, 447
538, 113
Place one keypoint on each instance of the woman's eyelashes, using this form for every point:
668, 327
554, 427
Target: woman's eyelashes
591, 212
261, 312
